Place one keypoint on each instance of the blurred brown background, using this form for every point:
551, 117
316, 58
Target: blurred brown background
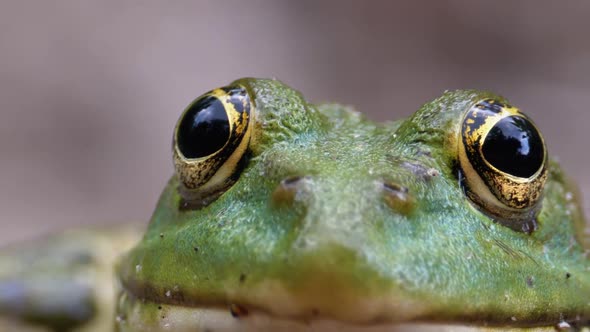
90, 90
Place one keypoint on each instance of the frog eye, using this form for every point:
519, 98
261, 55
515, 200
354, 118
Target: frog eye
211, 138
503, 159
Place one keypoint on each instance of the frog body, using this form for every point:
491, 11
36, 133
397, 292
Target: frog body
297, 214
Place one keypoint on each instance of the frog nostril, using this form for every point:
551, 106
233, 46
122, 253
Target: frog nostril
284, 194
291, 181
398, 197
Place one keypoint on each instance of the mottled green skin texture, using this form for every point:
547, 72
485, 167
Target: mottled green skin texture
337, 243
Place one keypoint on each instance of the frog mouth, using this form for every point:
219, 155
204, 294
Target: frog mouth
147, 316
140, 314
318, 297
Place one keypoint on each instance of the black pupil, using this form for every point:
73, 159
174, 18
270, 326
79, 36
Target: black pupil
514, 146
204, 128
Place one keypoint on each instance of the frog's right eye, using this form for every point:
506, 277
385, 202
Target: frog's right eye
211, 138
504, 163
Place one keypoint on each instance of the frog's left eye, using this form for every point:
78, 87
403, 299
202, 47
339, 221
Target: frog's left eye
503, 158
211, 138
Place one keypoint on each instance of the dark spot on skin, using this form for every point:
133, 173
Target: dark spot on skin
238, 311
242, 278
432, 172
530, 281
567, 275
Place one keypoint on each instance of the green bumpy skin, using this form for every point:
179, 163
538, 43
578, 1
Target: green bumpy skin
310, 230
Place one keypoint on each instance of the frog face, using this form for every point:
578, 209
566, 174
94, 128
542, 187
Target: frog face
305, 212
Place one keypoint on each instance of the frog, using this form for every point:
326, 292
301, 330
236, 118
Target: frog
286, 215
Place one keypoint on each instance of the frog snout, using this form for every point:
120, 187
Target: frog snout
328, 209
332, 240
302, 189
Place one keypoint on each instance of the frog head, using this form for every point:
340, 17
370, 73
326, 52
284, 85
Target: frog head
279, 208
